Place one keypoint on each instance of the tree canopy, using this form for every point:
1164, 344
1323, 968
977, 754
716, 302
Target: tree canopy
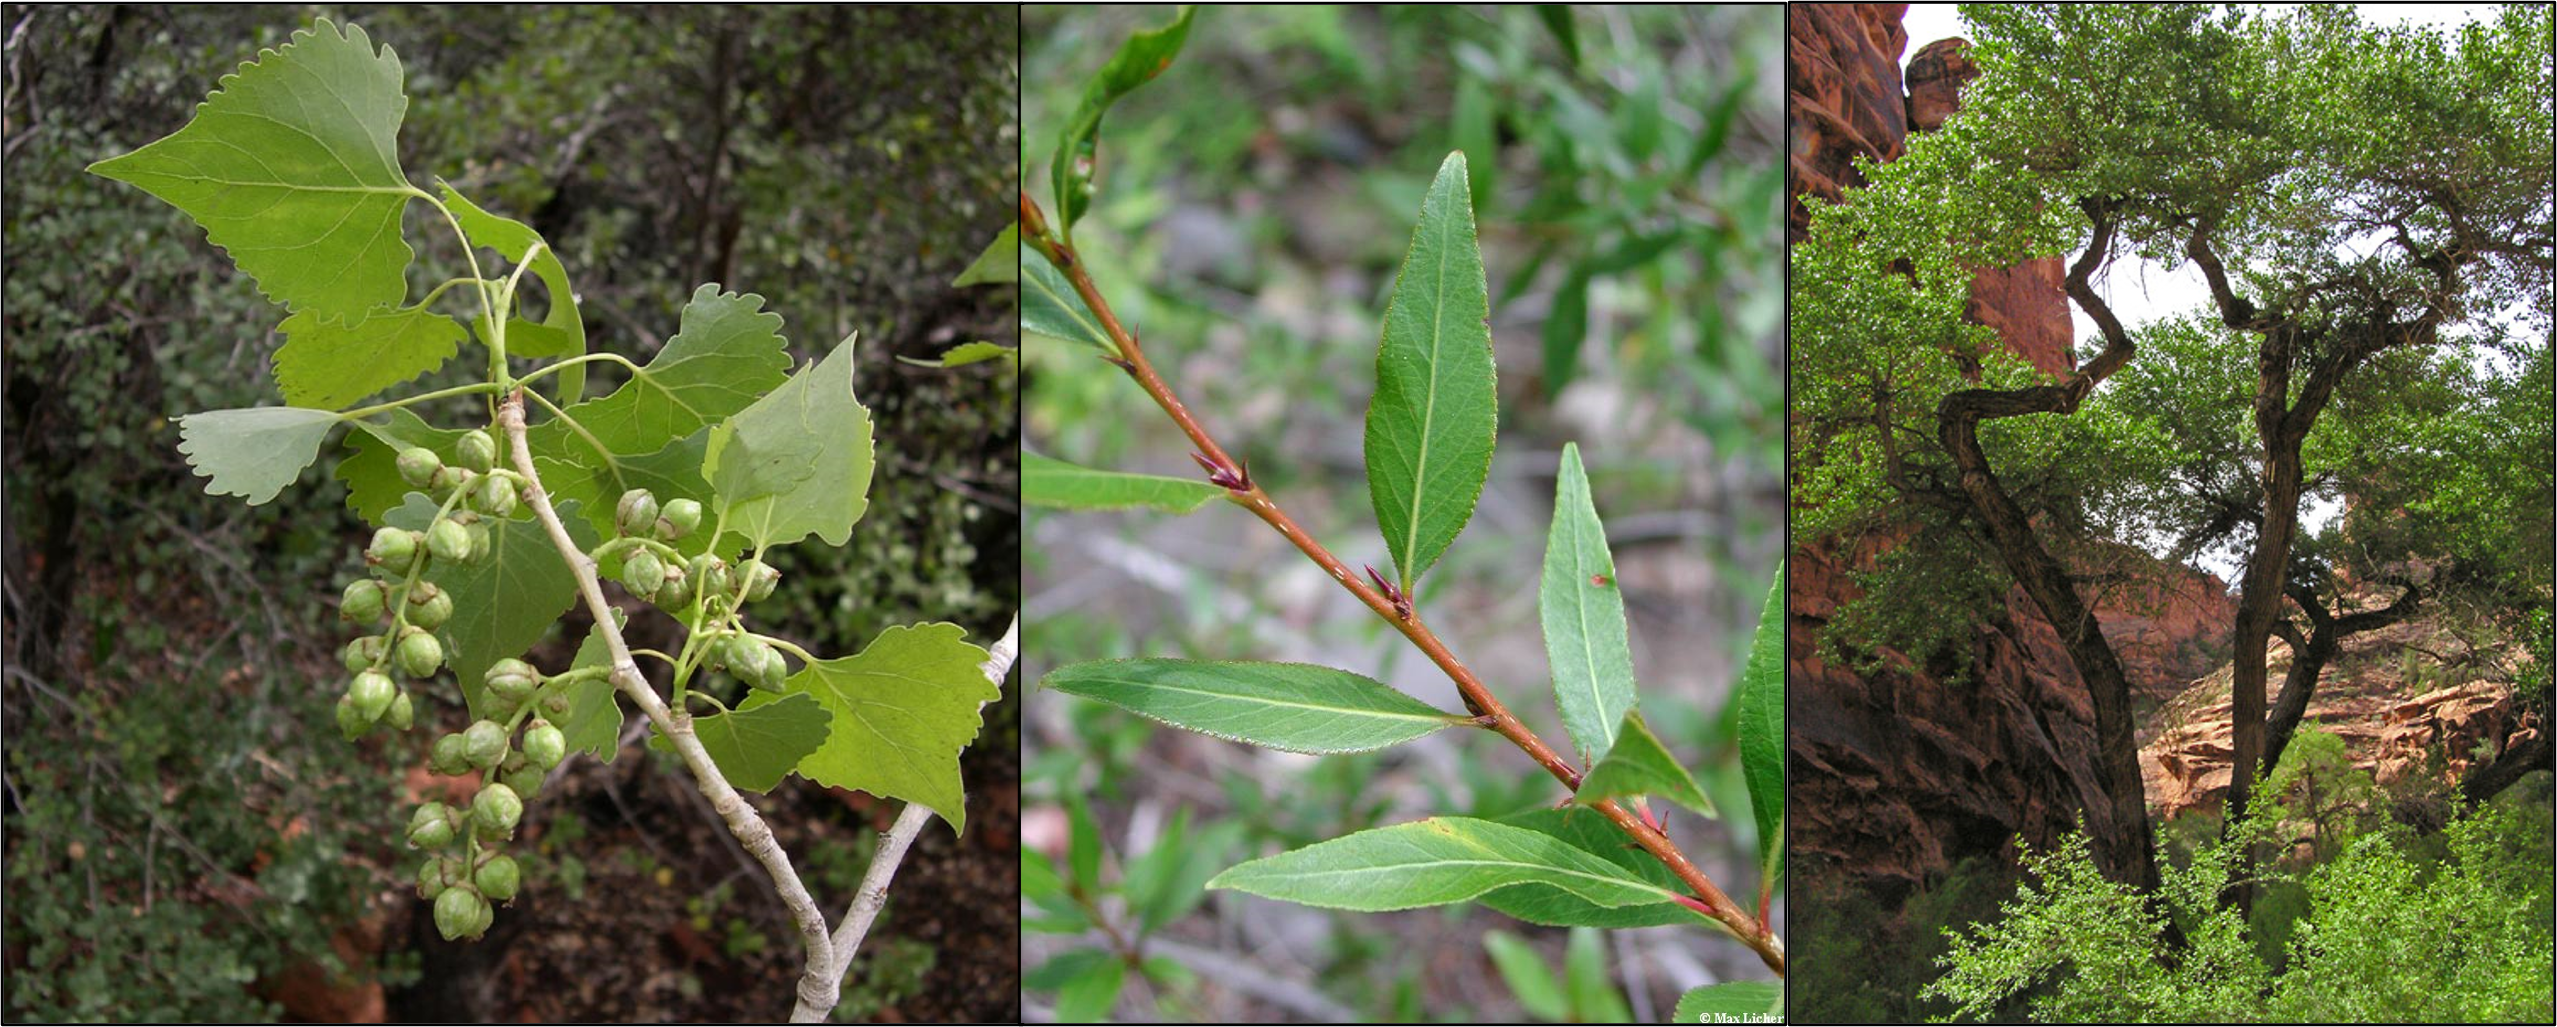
2370, 208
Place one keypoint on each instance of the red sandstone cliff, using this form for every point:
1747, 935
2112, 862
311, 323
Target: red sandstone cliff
1894, 775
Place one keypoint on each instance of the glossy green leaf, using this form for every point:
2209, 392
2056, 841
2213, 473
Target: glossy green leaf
1050, 307
1640, 765
755, 747
1531, 981
332, 363
1047, 481
562, 330
1762, 730
1732, 1002
1430, 426
903, 708
1077, 163
1565, 326
796, 462
1591, 833
1291, 706
1431, 863
1087, 996
255, 451
292, 168
1583, 611
999, 264
504, 601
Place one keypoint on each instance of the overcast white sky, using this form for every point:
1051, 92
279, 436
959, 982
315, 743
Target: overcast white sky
2141, 291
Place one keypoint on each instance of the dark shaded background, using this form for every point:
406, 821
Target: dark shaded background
187, 836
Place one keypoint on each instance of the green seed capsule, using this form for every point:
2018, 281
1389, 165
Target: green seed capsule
448, 541
760, 579
555, 704
495, 497
755, 662
715, 576
432, 827
676, 593
525, 780
362, 653
636, 512
485, 744
478, 451
350, 721
418, 465
429, 610
451, 480
393, 549
361, 602
402, 713
432, 878
544, 744
681, 517
498, 878
458, 912
643, 573
451, 756
479, 543
512, 678
420, 655
372, 693
496, 809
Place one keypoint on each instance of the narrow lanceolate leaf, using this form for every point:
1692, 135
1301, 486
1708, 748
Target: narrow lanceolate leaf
1546, 904
504, 601
1430, 427
902, 710
796, 462
1078, 159
1640, 765
1292, 706
755, 747
253, 452
562, 331
1762, 730
292, 167
331, 363
999, 264
1731, 1002
967, 353
1583, 611
1047, 481
1432, 863
1051, 307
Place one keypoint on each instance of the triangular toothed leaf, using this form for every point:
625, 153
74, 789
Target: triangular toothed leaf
796, 462
756, 746
332, 363
292, 168
903, 708
253, 452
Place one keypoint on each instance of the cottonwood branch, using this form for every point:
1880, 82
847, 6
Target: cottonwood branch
1489, 712
819, 981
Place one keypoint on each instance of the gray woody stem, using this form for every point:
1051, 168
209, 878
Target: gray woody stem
820, 984
873, 895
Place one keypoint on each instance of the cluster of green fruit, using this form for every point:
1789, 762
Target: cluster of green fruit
397, 592
464, 870
657, 572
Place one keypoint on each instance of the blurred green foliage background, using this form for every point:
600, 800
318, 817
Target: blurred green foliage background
1252, 206
187, 836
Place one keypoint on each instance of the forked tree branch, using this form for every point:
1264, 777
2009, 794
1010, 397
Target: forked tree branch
1487, 708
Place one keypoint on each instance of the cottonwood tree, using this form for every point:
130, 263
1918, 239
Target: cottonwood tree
2345, 191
